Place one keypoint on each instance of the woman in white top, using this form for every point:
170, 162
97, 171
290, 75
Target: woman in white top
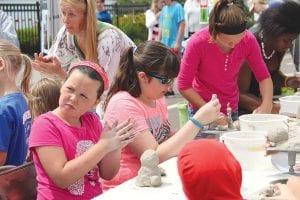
83, 38
151, 17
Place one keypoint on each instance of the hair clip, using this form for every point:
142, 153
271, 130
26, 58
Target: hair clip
230, 4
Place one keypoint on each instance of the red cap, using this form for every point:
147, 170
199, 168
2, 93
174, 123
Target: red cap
94, 66
208, 170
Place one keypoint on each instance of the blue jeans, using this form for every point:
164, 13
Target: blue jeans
202, 134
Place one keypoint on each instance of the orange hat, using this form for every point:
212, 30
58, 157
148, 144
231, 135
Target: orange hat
208, 170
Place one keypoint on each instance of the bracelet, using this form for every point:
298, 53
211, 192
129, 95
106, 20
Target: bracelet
197, 123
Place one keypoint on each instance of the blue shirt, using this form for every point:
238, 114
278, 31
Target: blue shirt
104, 16
169, 20
15, 123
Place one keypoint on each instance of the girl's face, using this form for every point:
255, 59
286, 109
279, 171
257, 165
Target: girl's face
229, 41
284, 41
154, 86
74, 19
78, 94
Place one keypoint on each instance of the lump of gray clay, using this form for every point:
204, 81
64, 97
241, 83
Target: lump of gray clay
149, 175
278, 135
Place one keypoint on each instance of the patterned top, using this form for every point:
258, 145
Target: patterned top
111, 42
155, 119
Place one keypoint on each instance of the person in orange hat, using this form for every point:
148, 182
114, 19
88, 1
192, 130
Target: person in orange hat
208, 170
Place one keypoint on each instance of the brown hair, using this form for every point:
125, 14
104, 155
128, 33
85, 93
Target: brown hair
226, 13
44, 96
149, 57
13, 59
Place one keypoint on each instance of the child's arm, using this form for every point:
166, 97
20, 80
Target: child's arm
64, 173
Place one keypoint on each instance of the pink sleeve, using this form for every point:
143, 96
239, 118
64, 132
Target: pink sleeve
255, 59
44, 132
122, 109
189, 64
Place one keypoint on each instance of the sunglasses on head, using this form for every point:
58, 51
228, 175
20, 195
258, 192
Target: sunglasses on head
162, 80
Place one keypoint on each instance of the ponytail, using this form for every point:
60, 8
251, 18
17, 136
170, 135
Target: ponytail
27, 75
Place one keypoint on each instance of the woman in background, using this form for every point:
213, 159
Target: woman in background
83, 38
277, 28
152, 17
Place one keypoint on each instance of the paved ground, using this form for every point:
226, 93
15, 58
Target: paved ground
287, 67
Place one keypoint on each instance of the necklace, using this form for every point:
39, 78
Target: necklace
263, 47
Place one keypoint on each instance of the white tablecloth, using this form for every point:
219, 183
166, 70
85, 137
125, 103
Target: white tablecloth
171, 188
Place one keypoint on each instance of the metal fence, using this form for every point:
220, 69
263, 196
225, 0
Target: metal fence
119, 11
27, 23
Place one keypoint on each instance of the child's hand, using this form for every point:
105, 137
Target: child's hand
209, 112
284, 193
118, 135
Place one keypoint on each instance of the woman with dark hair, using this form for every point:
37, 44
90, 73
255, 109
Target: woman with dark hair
213, 58
144, 76
277, 28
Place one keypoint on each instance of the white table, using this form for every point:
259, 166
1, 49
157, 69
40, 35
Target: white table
171, 187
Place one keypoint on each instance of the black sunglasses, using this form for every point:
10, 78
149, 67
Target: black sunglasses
162, 80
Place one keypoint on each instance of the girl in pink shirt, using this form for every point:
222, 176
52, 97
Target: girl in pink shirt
214, 56
70, 148
144, 76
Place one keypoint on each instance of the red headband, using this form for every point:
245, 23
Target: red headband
93, 66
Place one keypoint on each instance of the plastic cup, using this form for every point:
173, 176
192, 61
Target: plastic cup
183, 113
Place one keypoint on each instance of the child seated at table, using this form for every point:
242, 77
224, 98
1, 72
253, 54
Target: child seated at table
70, 147
144, 76
207, 169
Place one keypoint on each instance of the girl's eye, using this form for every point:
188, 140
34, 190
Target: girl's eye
70, 89
82, 95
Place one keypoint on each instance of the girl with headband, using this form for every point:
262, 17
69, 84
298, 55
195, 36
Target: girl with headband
213, 58
71, 149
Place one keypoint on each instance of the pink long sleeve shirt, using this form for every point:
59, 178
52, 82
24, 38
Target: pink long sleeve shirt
204, 67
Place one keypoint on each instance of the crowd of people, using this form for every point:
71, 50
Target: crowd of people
101, 102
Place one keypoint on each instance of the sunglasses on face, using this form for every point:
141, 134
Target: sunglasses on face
162, 80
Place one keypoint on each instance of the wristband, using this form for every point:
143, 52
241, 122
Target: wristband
197, 123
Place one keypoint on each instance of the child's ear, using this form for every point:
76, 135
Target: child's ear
142, 76
2, 63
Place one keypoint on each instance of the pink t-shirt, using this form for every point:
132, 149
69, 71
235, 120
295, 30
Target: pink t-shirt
49, 130
122, 106
208, 70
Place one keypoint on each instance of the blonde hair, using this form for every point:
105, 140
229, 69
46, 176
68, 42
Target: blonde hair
44, 96
91, 28
13, 59
154, 6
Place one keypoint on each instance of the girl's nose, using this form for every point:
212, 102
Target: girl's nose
65, 19
73, 97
